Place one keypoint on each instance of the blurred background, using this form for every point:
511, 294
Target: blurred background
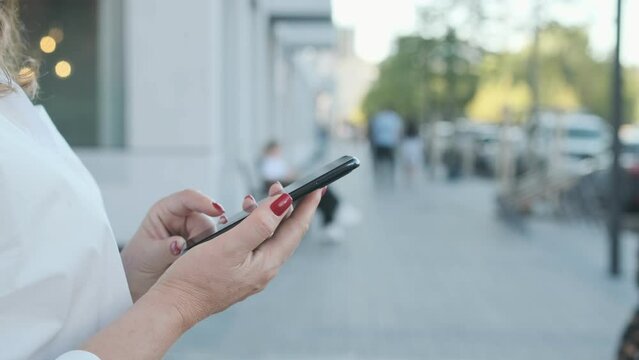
495, 212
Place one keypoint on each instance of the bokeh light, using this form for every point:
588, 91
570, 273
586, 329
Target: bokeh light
63, 69
57, 34
48, 44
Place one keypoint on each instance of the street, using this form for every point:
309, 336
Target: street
431, 273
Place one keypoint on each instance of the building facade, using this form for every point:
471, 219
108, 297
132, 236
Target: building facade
188, 93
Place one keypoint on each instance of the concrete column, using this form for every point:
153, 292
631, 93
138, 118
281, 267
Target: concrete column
173, 66
110, 73
240, 141
280, 83
263, 65
173, 86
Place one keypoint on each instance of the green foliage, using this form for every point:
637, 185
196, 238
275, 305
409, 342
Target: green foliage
426, 78
447, 77
567, 65
399, 84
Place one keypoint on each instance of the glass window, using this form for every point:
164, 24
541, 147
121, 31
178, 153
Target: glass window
67, 36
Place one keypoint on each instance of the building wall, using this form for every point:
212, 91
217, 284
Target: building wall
199, 105
173, 87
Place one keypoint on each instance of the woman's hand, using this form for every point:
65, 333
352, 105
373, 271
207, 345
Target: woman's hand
239, 263
208, 279
161, 237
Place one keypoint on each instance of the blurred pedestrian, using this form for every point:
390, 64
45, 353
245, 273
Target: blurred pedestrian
385, 132
412, 153
453, 160
66, 292
273, 167
335, 215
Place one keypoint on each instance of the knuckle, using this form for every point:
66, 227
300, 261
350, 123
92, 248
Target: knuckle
259, 284
304, 226
301, 227
255, 286
266, 277
264, 226
155, 208
271, 274
189, 193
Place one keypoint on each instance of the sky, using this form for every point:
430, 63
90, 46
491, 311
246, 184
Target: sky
378, 22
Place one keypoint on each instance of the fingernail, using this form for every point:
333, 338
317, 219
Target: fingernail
250, 198
324, 190
224, 220
218, 207
279, 206
175, 248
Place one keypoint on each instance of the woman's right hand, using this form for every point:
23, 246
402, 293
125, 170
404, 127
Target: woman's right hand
208, 279
215, 275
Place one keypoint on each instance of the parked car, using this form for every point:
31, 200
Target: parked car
437, 137
574, 144
629, 161
490, 142
595, 187
486, 149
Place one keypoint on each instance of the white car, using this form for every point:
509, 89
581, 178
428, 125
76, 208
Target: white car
573, 143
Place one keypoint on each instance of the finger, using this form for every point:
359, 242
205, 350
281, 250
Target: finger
258, 226
166, 251
289, 234
249, 204
197, 224
276, 189
187, 202
223, 220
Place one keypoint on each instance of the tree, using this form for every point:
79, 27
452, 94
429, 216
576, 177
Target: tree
445, 78
570, 78
426, 78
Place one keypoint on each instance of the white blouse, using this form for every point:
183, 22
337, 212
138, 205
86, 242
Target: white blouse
62, 277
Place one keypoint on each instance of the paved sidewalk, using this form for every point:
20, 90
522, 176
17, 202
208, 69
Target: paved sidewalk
431, 274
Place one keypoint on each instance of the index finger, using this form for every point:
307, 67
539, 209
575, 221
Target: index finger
258, 226
289, 234
186, 202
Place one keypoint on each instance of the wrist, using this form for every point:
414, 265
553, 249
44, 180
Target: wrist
146, 331
182, 306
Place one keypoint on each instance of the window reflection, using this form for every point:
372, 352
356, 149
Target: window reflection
62, 34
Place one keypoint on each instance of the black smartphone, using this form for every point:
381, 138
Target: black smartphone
298, 189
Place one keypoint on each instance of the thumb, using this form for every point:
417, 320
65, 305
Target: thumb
164, 252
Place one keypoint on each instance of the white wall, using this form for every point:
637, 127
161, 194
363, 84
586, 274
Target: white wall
173, 109
199, 100
294, 8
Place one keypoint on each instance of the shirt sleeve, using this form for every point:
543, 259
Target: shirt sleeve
78, 355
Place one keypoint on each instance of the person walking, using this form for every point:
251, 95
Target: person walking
412, 153
385, 134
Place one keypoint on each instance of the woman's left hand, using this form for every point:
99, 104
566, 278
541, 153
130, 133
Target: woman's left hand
162, 236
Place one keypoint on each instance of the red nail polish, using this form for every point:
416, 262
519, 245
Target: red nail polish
218, 207
224, 220
324, 190
279, 206
175, 249
249, 197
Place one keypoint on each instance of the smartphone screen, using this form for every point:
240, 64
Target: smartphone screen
298, 189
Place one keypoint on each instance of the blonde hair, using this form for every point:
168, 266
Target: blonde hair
14, 61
